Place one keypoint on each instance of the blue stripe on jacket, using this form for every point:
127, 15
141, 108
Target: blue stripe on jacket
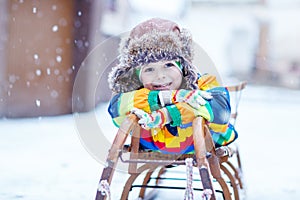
220, 104
113, 108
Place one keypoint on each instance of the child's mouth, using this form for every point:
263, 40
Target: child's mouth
164, 86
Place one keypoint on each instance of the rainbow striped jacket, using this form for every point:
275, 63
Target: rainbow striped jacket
178, 139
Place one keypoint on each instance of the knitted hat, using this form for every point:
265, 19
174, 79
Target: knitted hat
152, 41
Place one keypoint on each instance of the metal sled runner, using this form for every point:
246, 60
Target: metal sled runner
219, 170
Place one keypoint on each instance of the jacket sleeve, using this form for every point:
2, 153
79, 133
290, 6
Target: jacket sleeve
181, 113
223, 133
220, 103
122, 103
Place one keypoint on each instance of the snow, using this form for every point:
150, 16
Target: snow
55, 28
58, 59
34, 10
50, 157
38, 102
44, 158
36, 56
268, 141
38, 72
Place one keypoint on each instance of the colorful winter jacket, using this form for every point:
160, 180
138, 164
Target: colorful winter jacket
177, 137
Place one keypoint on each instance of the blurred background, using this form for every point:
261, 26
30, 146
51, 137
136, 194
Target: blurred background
43, 45
54, 59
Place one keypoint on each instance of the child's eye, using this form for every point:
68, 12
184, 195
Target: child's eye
169, 65
149, 69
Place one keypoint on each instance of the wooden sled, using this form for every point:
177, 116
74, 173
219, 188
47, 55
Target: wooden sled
219, 170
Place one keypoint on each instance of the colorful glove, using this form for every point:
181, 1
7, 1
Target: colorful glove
157, 119
194, 98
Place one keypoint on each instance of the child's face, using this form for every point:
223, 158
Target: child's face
163, 75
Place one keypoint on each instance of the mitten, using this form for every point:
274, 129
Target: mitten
156, 119
194, 98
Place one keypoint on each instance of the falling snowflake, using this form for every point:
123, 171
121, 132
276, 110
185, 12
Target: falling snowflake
48, 71
34, 10
36, 56
54, 94
54, 7
38, 72
58, 59
55, 28
38, 102
12, 78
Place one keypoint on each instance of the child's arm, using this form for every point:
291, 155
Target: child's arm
194, 98
209, 98
216, 109
176, 114
122, 104
156, 119
148, 101
222, 131
220, 103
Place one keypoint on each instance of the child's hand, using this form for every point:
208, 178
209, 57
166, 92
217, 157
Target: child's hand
156, 119
194, 98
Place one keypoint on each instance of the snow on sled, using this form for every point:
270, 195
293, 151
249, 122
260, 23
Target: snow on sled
209, 173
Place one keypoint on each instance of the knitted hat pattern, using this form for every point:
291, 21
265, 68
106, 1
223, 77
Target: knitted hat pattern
152, 41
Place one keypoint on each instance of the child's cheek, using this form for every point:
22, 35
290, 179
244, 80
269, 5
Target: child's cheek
148, 86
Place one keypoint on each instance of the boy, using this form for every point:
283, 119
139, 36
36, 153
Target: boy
156, 81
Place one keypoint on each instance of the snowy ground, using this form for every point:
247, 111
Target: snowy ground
43, 158
268, 142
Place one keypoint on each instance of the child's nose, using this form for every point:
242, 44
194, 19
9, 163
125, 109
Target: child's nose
161, 75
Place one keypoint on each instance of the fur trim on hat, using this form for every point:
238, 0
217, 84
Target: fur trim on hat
152, 47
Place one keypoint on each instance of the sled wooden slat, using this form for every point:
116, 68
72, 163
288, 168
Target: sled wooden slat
238, 87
